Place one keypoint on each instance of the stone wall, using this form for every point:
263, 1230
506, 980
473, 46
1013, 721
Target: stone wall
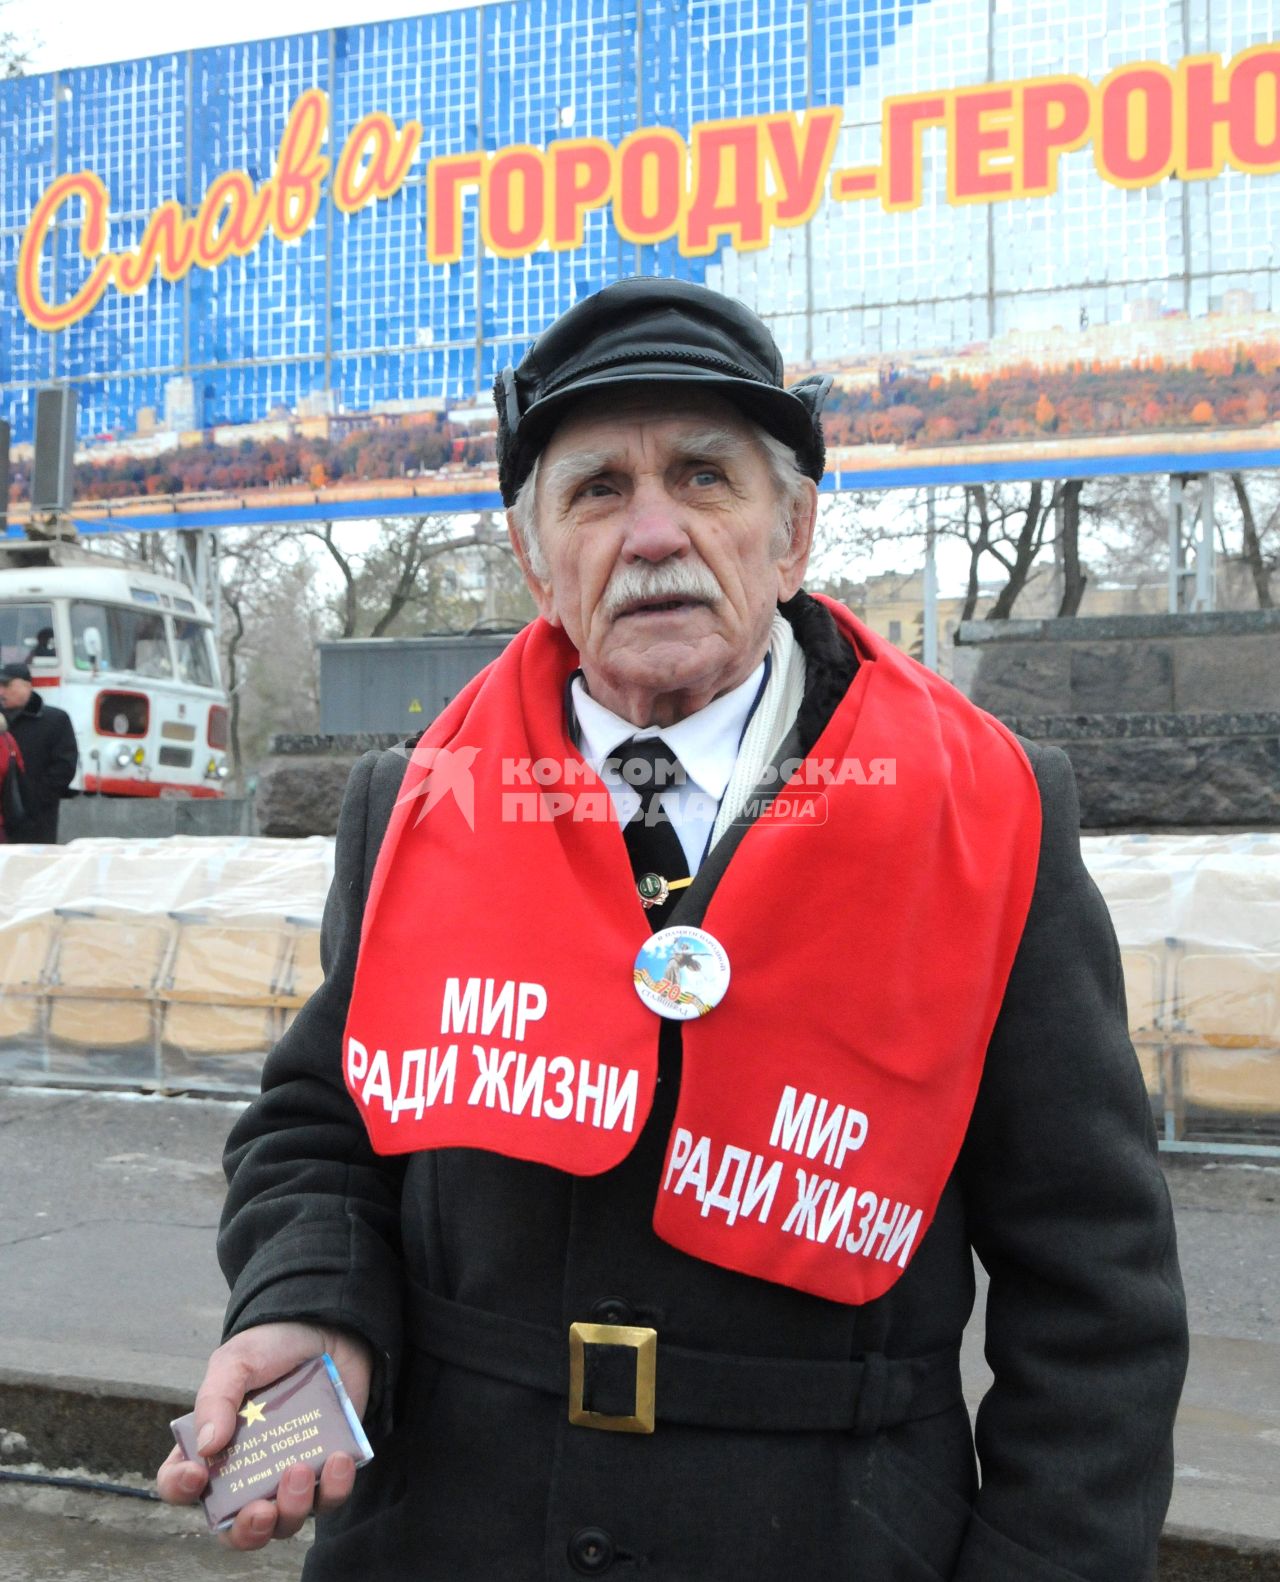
1161, 771
300, 785
1122, 664
153, 818
1169, 720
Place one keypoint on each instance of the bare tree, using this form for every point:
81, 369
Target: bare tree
275, 616
1000, 523
233, 596
15, 55
1125, 521
1074, 576
1003, 523
1114, 531
350, 605
392, 579
1020, 538
1251, 551
423, 573
977, 536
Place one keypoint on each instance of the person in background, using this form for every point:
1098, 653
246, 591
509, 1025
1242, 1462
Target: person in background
10, 763
47, 741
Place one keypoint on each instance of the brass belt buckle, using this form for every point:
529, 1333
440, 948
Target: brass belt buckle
644, 1342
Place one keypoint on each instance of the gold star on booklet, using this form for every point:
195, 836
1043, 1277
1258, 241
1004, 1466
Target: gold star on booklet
305, 1417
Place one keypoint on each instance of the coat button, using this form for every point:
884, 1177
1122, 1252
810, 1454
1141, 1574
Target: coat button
613, 1310
591, 1551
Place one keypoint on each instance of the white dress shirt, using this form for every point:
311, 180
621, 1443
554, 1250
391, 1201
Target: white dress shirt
706, 743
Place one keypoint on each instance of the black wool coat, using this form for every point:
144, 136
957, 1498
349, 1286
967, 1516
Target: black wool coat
49, 755
481, 1479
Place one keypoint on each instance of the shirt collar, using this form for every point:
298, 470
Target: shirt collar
706, 743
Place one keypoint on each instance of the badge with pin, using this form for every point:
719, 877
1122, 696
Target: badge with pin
654, 890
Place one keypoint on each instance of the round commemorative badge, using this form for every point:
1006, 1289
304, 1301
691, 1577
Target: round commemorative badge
681, 973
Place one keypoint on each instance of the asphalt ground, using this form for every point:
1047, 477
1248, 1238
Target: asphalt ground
50, 1535
111, 1299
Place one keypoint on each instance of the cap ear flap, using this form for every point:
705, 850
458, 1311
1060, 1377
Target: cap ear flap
812, 391
507, 400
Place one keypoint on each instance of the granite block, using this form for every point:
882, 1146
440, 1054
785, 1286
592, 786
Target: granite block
1120, 678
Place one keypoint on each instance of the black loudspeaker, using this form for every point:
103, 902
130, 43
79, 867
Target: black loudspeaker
4, 473
52, 475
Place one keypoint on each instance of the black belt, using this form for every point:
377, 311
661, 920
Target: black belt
706, 1389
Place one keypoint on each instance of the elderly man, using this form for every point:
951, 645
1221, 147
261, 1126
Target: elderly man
47, 741
639, 1270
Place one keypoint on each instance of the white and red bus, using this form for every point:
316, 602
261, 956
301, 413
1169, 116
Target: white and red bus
131, 657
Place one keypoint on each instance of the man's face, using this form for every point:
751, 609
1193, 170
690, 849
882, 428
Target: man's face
14, 694
665, 550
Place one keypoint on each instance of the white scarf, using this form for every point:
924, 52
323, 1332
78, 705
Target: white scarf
767, 728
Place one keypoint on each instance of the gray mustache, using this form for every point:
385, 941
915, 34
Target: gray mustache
669, 579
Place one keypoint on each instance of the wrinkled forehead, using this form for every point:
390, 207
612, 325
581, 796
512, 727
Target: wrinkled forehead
615, 429
645, 404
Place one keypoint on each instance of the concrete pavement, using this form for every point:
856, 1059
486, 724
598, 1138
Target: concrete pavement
111, 1299
53, 1535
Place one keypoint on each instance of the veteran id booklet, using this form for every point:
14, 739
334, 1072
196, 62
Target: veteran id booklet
305, 1418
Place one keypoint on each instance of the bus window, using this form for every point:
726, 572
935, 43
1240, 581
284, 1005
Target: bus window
131, 639
26, 633
195, 665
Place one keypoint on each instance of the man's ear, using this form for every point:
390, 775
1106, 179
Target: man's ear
794, 560
539, 587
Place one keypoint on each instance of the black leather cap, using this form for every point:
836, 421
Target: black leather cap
648, 331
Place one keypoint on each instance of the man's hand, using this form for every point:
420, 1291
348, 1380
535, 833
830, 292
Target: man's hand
249, 1360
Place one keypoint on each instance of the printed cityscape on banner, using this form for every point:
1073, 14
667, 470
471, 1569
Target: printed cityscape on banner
288, 271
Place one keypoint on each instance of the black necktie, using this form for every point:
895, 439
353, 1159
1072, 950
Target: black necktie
649, 767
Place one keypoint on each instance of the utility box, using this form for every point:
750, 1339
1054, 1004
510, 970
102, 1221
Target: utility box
397, 685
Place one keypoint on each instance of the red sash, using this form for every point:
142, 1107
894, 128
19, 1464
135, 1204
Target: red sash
870, 919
